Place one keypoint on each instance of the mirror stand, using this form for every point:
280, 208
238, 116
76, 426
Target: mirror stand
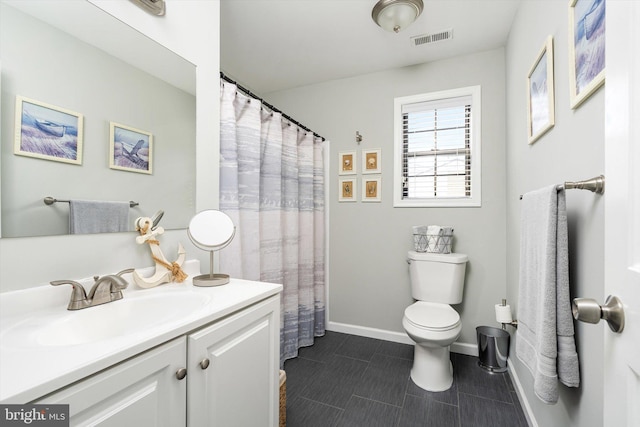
211, 279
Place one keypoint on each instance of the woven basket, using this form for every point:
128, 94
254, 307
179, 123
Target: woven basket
433, 243
283, 399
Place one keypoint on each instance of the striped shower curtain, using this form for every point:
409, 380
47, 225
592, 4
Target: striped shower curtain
272, 187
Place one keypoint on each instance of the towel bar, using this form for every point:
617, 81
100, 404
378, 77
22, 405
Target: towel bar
595, 185
50, 200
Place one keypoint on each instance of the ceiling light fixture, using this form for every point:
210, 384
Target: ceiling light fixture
396, 15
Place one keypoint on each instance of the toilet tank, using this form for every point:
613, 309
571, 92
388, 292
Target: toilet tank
437, 277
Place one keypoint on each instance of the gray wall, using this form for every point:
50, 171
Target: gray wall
572, 150
103, 88
368, 274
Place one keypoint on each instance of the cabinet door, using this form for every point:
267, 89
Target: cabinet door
142, 391
239, 387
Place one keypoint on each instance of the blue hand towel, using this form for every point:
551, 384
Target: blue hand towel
545, 337
91, 216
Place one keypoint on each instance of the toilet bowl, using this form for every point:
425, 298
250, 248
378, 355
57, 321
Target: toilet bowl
433, 327
437, 280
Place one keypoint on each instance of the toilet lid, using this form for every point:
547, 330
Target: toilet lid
431, 315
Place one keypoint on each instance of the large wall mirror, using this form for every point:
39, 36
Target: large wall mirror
75, 56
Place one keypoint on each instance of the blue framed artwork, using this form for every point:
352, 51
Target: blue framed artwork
540, 93
130, 149
48, 132
586, 48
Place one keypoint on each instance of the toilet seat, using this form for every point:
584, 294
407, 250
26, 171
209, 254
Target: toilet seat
431, 316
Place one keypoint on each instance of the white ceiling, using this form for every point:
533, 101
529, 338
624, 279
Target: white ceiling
271, 45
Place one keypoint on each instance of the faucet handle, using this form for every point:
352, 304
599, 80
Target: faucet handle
118, 284
125, 271
78, 295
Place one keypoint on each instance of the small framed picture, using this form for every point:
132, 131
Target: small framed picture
130, 149
371, 161
371, 190
47, 132
347, 162
586, 48
540, 95
347, 190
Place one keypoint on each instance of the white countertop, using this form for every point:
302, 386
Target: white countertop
30, 369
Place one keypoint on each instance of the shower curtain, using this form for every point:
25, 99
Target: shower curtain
272, 187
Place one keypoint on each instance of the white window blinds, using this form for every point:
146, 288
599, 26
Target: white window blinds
435, 151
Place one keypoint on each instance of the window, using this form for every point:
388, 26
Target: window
437, 149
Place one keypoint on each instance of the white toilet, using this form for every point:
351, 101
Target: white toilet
437, 280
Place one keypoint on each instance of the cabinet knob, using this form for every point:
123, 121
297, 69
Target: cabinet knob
204, 364
181, 373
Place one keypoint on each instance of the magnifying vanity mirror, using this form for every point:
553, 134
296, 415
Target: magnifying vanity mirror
211, 230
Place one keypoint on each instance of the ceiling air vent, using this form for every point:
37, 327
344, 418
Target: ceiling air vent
432, 38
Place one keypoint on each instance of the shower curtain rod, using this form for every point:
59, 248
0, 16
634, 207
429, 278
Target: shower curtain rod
269, 106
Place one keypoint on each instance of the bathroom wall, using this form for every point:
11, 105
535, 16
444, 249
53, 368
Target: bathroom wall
368, 273
192, 31
571, 150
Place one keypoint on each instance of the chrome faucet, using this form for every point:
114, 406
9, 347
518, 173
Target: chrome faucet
105, 289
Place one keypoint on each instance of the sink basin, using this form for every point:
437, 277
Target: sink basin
103, 322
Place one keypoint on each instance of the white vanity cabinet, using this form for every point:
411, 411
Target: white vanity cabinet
142, 391
232, 378
233, 370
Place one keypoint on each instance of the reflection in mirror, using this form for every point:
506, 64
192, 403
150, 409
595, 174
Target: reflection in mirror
211, 230
76, 56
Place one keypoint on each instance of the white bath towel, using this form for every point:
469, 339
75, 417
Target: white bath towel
434, 230
92, 216
545, 341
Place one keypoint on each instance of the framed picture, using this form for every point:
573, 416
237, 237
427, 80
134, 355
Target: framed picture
540, 96
371, 161
371, 190
347, 162
586, 48
130, 149
347, 190
47, 132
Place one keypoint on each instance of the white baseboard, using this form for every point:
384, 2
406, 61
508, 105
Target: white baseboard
465, 348
364, 331
399, 337
526, 408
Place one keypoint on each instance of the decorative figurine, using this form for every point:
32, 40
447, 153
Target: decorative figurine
165, 271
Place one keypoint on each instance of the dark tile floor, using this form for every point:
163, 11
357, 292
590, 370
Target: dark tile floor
351, 381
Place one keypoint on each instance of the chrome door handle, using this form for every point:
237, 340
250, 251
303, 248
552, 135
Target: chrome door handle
588, 310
